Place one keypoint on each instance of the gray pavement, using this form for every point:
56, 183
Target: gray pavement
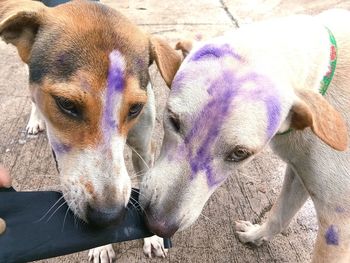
247, 195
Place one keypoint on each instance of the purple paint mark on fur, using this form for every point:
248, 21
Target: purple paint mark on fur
274, 115
332, 235
213, 50
60, 148
115, 85
265, 93
339, 209
207, 126
115, 79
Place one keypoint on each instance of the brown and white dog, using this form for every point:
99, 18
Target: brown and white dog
231, 97
90, 85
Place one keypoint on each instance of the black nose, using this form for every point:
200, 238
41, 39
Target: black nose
102, 217
161, 227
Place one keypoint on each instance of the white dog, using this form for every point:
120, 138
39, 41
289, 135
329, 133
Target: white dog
263, 83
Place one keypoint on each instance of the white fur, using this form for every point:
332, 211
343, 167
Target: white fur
103, 254
36, 123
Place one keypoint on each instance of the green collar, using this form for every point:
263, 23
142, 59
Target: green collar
326, 80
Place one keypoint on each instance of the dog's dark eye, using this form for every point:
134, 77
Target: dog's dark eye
175, 123
239, 153
135, 110
67, 106
174, 120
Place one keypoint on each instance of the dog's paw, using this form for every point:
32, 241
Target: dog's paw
154, 246
103, 254
35, 125
250, 233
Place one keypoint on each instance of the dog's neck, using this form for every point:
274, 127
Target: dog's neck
327, 78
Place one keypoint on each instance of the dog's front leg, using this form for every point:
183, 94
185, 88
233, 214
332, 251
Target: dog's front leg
291, 198
36, 123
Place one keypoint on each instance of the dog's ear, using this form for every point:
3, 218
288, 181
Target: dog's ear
185, 46
167, 59
313, 111
19, 24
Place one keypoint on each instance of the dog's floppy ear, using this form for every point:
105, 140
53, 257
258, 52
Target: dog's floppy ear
313, 111
185, 46
167, 59
19, 24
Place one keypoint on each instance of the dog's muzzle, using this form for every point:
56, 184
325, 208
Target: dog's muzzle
105, 217
162, 227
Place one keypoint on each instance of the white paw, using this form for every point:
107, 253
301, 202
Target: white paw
36, 123
103, 254
154, 246
250, 233
35, 126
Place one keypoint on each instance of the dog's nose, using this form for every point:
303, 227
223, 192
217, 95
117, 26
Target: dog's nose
162, 228
102, 217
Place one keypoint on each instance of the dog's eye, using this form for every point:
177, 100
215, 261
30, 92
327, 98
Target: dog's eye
239, 153
135, 110
67, 106
175, 123
174, 120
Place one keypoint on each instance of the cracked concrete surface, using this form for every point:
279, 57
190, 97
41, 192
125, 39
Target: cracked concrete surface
247, 195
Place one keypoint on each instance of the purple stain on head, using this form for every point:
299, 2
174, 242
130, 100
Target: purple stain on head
207, 51
263, 91
62, 58
214, 50
207, 126
332, 235
115, 79
115, 86
273, 114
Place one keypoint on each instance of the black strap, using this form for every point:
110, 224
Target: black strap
33, 233
52, 3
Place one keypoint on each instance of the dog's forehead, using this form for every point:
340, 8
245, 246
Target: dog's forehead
80, 36
217, 83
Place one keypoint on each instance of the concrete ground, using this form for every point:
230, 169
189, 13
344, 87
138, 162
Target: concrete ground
247, 195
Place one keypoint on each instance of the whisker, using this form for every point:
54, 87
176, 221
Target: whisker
51, 208
136, 176
138, 192
139, 174
64, 220
56, 210
143, 171
138, 155
135, 207
140, 206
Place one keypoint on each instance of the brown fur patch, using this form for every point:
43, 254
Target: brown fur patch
132, 95
89, 187
77, 133
327, 123
167, 59
185, 46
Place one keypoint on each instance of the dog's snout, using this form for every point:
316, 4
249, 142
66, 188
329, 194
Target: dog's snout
162, 228
102, 217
